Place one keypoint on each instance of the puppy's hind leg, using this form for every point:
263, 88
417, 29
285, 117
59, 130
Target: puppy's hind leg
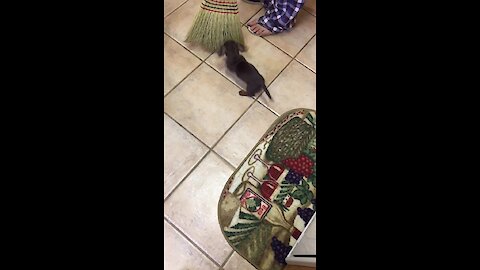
243, 93
251, 90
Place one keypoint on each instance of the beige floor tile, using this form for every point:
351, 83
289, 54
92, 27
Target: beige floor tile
243, 136
237, 262
246, 10
206, 104
178, 63
179, 22
268, 60
182, 152
170, 5
179, 254
308, 55
294, 88
311, 6
292, 41
193, 206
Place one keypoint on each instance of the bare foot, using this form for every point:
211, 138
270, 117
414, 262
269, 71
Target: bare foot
252, 23
259, 30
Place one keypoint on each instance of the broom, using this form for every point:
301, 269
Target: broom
215, 23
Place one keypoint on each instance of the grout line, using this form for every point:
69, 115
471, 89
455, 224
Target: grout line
298, 61
184, 78
190, 240
270, 42
194, 166
304, 9
187, 175
202, 61
228, 258
210, 150
291, 60
314, 36
271, 110
173, 38
244, 24
187, 130
295, 55
238, 119
224, 76
164, 17
278, 75
225, 160
171, 90
292, 30
215, 144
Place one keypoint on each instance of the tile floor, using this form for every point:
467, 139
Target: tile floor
209, 128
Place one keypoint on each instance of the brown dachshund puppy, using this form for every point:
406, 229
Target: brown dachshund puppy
244, 70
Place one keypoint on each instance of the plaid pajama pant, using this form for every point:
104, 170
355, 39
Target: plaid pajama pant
280, 14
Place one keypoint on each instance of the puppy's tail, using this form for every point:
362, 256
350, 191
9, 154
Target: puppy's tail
266, 91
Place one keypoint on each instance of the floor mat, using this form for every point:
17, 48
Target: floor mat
271, 196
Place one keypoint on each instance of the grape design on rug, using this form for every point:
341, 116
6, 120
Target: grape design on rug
270, 198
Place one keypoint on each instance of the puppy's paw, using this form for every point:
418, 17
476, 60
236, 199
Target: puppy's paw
243, 93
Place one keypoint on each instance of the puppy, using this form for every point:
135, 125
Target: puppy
244, 70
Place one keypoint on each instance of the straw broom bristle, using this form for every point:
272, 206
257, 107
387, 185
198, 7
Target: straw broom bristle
215, 23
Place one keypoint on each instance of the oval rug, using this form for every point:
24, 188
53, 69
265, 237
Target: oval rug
269, 199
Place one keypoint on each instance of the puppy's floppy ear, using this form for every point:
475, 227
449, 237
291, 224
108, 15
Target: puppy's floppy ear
241, 47
221, 51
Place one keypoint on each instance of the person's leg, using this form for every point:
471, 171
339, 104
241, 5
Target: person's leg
257, 28
279, 16
268, 5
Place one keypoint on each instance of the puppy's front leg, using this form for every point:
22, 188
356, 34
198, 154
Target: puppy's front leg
221, 51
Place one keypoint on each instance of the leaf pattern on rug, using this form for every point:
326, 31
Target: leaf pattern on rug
303, 193
312, 120
285, 189
240, 231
